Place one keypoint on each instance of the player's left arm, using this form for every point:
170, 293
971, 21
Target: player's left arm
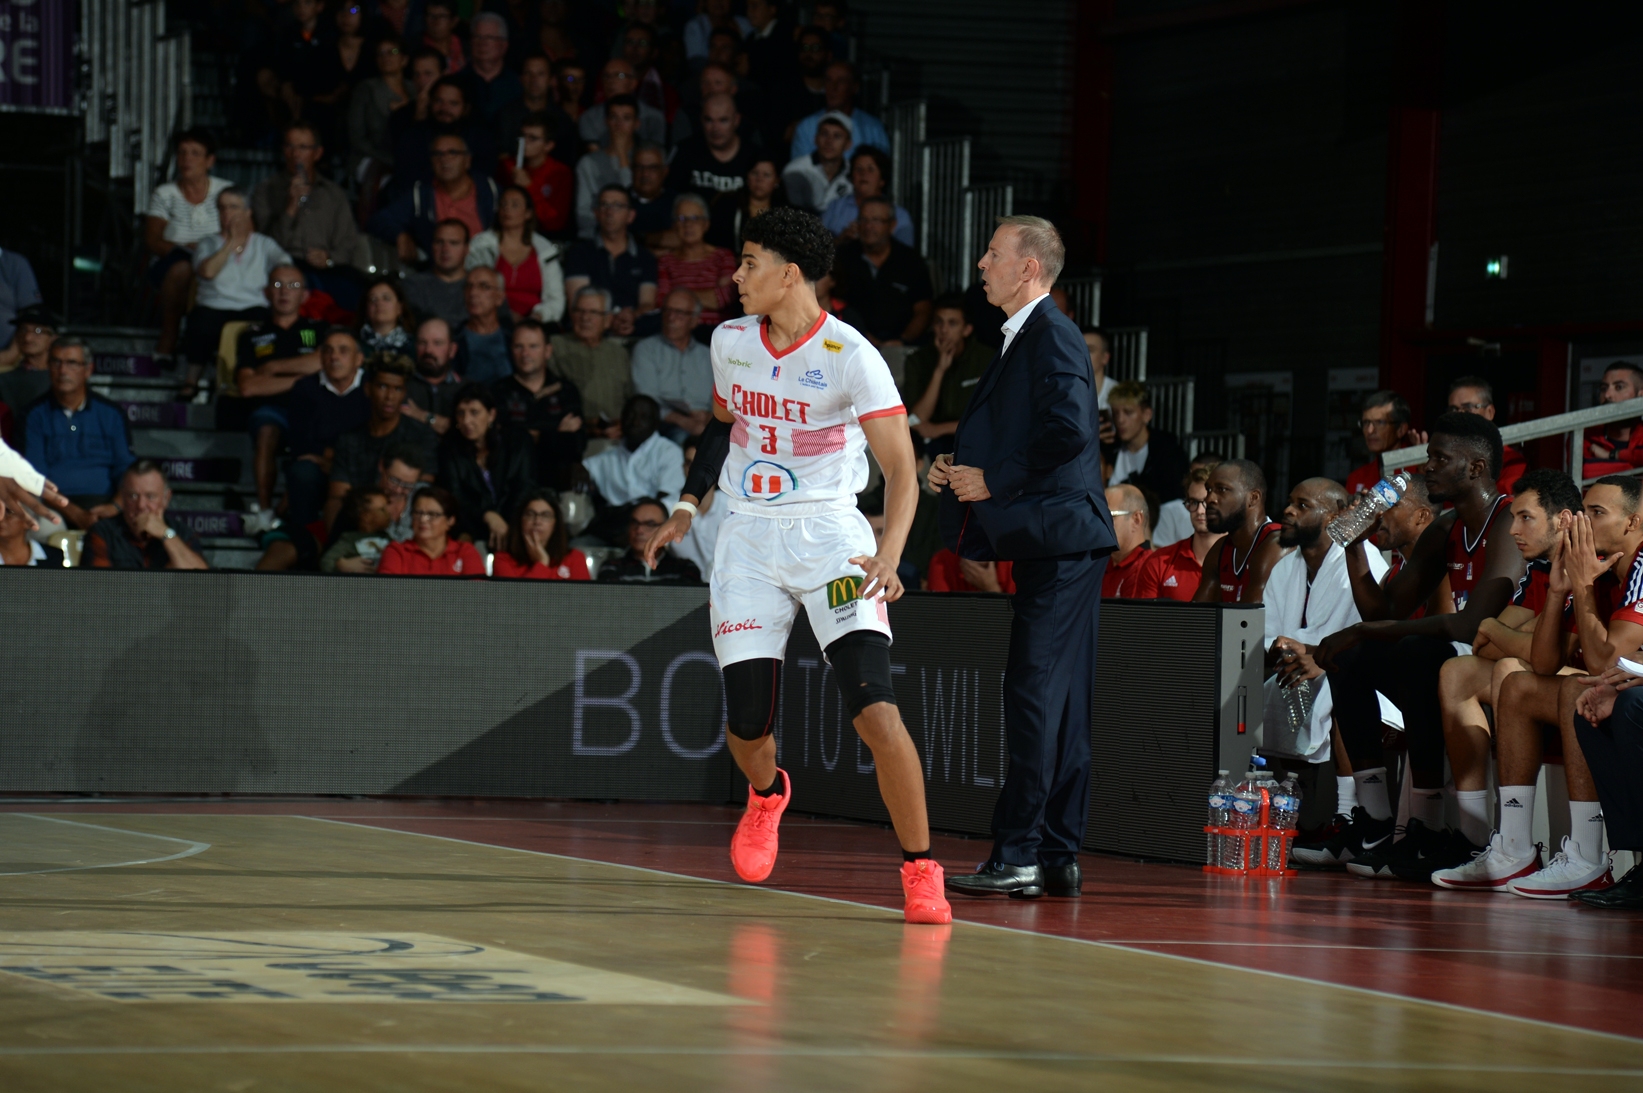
892, 445
1260, 568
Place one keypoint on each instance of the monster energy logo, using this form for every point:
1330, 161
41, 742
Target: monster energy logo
307, 339
842, 590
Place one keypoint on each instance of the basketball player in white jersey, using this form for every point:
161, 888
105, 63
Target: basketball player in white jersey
798, 398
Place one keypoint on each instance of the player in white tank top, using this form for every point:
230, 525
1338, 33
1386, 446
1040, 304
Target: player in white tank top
798, 400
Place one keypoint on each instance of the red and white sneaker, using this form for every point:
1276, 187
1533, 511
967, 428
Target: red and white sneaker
922, 882
753, 847
1490, 870
1564, 875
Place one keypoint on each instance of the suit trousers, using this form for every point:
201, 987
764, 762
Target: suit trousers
1049, 687
1614, 752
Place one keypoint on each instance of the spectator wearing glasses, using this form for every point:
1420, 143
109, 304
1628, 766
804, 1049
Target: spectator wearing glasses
234, 269
1384, 420
550, 185
180, 214
614, 262
322, 407
430, 551
437, 291
1176, 519
817, 179
526, 262
141, 535
1173, 571
675, 370
26, 361
869, 177
439, 20
454, 194
1616, 448
648, 515
482, 340
608, 166
490, 84
598, 365
652, 200
697, 266
938, 379
537, 99
619, 83
359, 452
1132, 525
538, 546
79, 440
1475, 395
840, 90
887, 281
731, 211
486, 465
310, 217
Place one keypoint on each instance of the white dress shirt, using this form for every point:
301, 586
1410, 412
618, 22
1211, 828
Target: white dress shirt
1012, 326
655, 469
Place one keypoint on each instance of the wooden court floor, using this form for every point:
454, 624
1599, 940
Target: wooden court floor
203, 947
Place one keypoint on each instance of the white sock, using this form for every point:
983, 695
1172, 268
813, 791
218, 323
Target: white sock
1474, 815
1586, 830
1426, 805
1517, 820
1346, 794
1371, 786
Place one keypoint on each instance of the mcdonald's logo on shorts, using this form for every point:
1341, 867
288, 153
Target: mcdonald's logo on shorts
843, 591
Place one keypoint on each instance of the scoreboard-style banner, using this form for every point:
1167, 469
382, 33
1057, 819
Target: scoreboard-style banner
37, 56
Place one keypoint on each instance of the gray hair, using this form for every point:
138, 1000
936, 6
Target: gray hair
688, 198
650, 146
69, 341
695, 302
489, 17
594, 290
235, 191
1037, 238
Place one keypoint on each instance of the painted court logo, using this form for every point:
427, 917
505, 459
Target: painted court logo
842, 592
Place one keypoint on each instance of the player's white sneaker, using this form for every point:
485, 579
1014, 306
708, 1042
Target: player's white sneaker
1565, 874
1490, 869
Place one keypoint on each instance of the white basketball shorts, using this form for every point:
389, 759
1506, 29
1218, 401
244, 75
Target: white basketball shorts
765, 567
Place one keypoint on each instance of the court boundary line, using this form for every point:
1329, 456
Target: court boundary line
194, 847
1370, 991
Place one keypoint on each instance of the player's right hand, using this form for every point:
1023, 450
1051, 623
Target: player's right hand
670, 532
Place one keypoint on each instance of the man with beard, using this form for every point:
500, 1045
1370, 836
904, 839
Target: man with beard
430, 392
1402, 656
1308, 597
1237, 567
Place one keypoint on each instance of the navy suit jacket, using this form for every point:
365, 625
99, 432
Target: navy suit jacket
1032, 428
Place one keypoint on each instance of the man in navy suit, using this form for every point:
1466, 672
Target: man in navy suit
1024, 483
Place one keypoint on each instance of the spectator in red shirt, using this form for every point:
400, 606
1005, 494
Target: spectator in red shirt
549, 182
1475, 395
1384, 419
431, 552
1132, 525
1173, 573
1617, 447
539, 544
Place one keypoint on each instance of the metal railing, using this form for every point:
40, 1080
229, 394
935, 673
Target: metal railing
1573, 425
1129, 354
944, 175
1229, 442
904, 123
1173, 399
1084, 294
139, 91
983, 205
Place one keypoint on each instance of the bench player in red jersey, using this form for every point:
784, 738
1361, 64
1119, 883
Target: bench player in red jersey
1401, 656
1236, 568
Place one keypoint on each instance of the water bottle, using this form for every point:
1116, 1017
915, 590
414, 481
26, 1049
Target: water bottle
1220, 805
1246, 813
1284, 813
1352, 523
1298, 705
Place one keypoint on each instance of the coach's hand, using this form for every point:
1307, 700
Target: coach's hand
670, 532
881, 582
968, 483
939, 471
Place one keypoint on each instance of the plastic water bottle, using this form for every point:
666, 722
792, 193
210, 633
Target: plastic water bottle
1298, 704
1352, 523
1246, 813
1220, 805
1284, 813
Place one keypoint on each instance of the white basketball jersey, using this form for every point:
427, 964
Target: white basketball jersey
797, 447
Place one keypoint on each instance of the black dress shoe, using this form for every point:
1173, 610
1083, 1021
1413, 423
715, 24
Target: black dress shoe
1063, 880
1626, 894
998, 879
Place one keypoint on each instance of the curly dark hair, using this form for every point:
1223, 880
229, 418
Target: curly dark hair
795, 236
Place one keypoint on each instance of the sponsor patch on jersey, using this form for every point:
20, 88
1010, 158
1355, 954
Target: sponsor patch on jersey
832, 346
766, 481
739, 363
776, 372
814, 378
843, 592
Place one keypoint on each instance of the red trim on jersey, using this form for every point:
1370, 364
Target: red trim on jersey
764, 336
720, 399
818, 441
891, 412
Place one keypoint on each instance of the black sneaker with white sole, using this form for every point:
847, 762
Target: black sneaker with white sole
1362, 835
1447, 851
1416, 843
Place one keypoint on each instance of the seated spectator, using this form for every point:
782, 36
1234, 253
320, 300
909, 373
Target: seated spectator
833, 17
640, 47
652, 200
487, 466
482, 339
614, 263
1099, 343
426, 66
305, 60
548, 183
1475, 395
538, 546
950, 573
570, 86
697, 266
140, 535
1177, 520
714, 15
1173, 571
1132, 527
730, 211
618, 83
1383, 418
387, 325
79, 440
609, 166
596, 364
371, 108
25, 361
533, 285
1617, 447
646, 516
454, 194
716, 160
818, 178
1150, 458
311, 218
431, 552
675, 370
542, 402
490, 83
938, 379
430, 396
869, 177
804, 94
269, 359
17, 548
321, 408
438, 290
887, 281
841, 88
644, 464
537, 99
359, 452
359, 549
721, 79
699, 541
180, 214
233, 268
19, 290
439, 22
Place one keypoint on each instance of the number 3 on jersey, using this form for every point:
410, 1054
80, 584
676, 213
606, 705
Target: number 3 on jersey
768, 444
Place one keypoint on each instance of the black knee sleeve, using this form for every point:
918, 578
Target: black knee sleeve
751, 691
861, 664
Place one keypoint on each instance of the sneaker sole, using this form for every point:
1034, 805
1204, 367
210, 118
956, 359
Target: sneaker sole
1606, 881
1501, 885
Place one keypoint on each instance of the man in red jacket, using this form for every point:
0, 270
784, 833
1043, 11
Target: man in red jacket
1475, 395
1384, 419
1132, 524
1617, 447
